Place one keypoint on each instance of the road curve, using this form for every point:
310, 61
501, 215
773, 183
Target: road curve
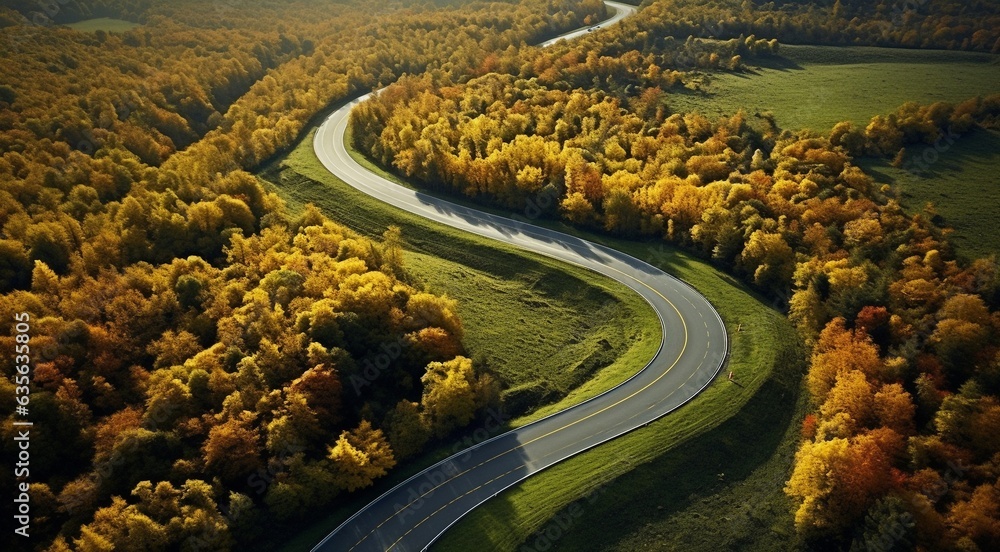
415, 513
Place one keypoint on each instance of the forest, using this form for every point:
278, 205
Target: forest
904, 364
202, 358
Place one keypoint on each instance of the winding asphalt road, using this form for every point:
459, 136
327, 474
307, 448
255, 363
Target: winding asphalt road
416, 512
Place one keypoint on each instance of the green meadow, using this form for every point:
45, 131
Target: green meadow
958, 179
816, 87
105, 24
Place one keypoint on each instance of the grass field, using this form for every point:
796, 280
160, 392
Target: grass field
103, 24
961, 182
817, 86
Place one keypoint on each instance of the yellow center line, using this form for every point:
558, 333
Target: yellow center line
454, 500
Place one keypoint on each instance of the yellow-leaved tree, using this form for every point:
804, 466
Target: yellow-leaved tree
838, 351
835, 481
452, 394
360, 456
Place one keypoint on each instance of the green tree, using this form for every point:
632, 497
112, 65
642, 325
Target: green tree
407, 432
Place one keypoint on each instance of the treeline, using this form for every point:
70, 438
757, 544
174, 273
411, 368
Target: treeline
900, 449
941, 24
148, 91
205, 363
61, 12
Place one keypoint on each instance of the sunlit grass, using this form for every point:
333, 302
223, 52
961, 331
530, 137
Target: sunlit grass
816, 87
106, 24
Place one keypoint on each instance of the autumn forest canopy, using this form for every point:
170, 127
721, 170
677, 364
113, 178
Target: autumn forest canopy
205, 359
